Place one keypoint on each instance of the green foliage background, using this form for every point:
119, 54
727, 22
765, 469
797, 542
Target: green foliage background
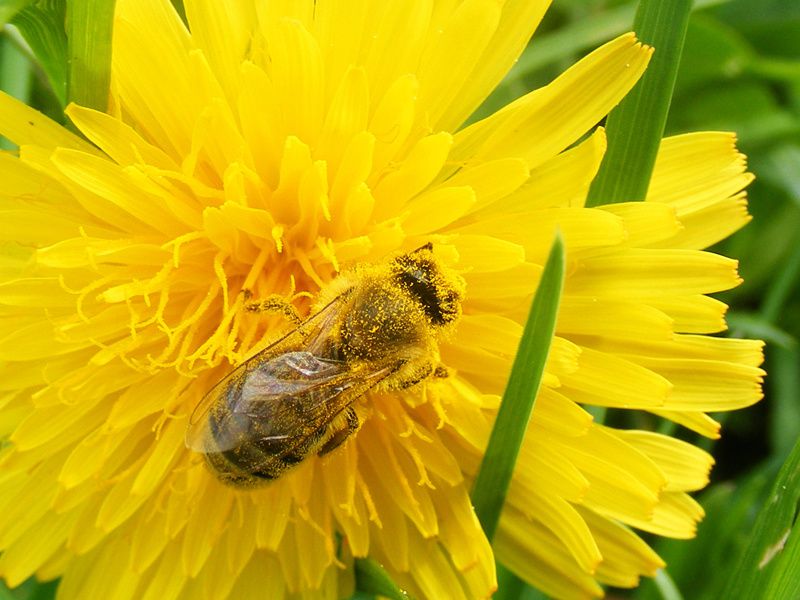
740, 72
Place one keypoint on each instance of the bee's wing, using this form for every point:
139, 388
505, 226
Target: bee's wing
285, 405
310, 332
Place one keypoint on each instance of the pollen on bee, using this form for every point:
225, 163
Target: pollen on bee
376, 326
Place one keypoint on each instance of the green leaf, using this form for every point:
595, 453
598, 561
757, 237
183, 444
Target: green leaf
782, 285
372, 578
770, 567
745, 106
784, 417
755, 326
785, 581
89, 28
772, 26
497, 467
9, 8
779, 167
42, 26
635, 127
5, 593
711, 51
30, 590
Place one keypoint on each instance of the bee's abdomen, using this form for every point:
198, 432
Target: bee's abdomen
228, 469
252, 464
257, 460
271, 419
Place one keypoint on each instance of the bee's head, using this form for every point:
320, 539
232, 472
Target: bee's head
422, 275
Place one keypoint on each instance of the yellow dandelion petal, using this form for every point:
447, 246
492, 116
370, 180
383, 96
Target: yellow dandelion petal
518, 20
452, 50
554, 115
26, 126
304, 151
685, 467
562, 181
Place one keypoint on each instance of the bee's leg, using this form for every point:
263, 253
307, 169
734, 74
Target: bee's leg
337, 439
417, 374
276, 303
441, 372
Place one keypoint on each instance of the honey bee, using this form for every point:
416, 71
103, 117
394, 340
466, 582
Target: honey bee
376, 327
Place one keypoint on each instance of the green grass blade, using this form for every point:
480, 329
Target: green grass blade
9, 8
372, 579
782, 286
744, 324
31, 589
785, 385
635, 127
770, 567
494, 475
180, 9
509, 586
42, 26
666, 586
785, 581
15, 76
15, 70
89, 28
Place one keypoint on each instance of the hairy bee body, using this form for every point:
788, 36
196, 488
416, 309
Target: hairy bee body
377, 327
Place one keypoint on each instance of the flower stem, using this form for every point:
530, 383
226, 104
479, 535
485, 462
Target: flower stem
635, 127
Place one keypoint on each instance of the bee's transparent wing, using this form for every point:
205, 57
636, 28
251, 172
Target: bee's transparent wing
314, 328
264, 372
267, 401
283, 404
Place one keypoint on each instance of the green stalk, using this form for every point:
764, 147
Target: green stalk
89, 28
15, 76
372, 579
666, 586
770, 565
9, 8
497, 467
41, 25
635, 127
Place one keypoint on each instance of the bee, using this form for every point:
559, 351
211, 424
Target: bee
376, 327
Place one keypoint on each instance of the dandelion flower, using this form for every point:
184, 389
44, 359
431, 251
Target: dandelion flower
267, 148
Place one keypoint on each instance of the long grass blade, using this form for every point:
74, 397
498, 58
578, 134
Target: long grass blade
494, 475
770, 567
89, 29
16, 76
42, 26
635, 127
9, 8
372, 579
